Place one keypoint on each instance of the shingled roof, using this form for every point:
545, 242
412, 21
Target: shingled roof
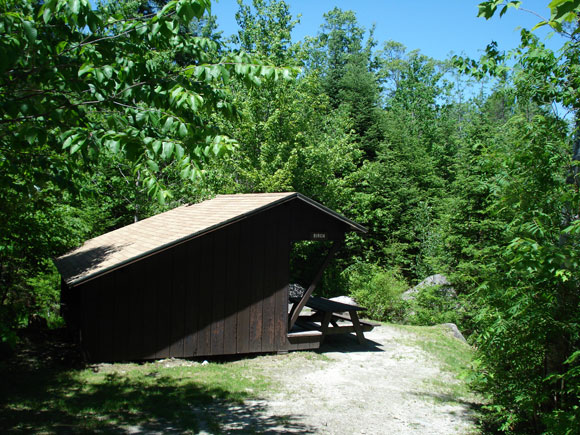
132, 242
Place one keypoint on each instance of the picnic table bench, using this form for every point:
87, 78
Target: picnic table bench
329, 317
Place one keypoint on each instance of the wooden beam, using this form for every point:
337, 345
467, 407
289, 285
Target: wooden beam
297, 308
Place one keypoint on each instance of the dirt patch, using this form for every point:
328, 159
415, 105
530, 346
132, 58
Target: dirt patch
383, 387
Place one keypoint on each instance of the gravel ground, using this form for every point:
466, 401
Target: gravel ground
383, 387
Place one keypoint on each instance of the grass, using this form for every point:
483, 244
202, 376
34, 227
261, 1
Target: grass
46, 388
114, 397
454, 358
454, 355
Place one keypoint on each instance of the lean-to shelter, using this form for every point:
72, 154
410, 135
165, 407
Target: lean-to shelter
199, 280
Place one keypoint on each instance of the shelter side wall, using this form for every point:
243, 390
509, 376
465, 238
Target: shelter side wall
119, 316
310, 223
88, 319
222, 293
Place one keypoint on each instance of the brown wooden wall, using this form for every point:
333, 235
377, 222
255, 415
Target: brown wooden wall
222, 293
305, 220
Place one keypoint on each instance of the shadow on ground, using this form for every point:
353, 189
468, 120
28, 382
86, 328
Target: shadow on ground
251, 417
53, 397
471, 411
348, 343
61, 404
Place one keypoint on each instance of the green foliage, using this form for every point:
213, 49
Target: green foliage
378, 290
488, 8
396, 194
568, 417
468, 233
46, 287
433, 305
106, 79
81, 96
561, 12
34, 227
514, 237
267, 31
346, 66
527, 313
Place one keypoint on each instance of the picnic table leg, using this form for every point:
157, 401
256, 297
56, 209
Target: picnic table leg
324, 324
357, 327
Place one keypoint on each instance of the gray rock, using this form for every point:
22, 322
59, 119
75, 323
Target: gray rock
436, 279
455, 331
432, 280
410, 294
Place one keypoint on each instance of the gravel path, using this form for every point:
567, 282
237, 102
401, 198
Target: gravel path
383, 387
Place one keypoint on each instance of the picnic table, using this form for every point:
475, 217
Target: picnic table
332, 317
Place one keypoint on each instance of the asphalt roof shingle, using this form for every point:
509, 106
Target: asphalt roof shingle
139, 239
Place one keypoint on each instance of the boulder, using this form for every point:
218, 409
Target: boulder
438, 279
455, 331
409, 294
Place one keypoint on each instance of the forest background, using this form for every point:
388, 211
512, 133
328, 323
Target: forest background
469, 168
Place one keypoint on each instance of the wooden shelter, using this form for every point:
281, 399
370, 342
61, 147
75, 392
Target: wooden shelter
199, 280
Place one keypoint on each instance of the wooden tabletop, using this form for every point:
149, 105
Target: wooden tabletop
323, 304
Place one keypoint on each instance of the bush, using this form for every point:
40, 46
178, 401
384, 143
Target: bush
378, 290
433, 305
46, 288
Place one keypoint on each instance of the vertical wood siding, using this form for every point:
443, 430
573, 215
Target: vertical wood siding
191, 306
179, 274
231, 270
136, 309
244, 293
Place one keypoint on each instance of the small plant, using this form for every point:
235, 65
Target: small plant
378, 290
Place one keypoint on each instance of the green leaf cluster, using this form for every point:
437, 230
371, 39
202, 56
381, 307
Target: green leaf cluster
114, 104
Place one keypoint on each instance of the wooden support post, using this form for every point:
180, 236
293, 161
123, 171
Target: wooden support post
297, 308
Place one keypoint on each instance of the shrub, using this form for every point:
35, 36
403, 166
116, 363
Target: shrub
378, 290
433, 305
